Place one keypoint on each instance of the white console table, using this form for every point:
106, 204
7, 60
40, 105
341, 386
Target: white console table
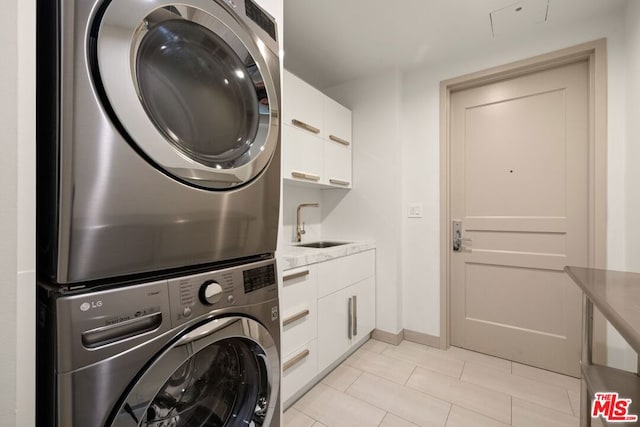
616, 295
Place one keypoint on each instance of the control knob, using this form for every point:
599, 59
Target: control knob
210, 292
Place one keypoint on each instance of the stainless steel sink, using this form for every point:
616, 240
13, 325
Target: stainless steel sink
322, 244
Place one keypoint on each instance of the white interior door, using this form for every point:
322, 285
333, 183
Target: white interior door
519, 187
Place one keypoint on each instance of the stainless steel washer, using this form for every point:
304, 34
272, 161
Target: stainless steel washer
158, 136
195, 351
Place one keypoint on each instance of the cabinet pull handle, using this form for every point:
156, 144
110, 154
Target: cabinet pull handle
295, 275
355, 315
295, 360
339, 140
305, 126
297, 316
339, 182
350, 319
307, 176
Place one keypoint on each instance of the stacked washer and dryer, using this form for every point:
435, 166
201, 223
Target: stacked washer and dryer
158, 194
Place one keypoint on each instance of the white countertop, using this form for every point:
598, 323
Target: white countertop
294, 256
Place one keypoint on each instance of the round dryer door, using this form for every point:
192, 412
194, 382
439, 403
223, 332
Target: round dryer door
192, 87
223, 373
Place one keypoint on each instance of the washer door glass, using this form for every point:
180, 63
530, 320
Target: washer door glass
224, 372
198, 92
224, 384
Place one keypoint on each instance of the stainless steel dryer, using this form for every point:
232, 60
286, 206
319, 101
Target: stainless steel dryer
158, 135
196, 351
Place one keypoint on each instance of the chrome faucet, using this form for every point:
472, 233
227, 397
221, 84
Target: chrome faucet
300, 226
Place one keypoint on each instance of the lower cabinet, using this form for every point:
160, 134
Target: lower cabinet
327, 308
345, 318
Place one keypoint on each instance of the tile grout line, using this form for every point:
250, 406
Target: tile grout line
511, 410
382, 409
440, 372
573, 410
382, 419
410, 375
538, 382
408, 387
352, 382
446, 420
464, 365
452, 403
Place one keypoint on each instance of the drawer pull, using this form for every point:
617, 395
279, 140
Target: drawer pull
307, 176
305, 126
339, 140
295, 360
295, 275
339, 182
297, 316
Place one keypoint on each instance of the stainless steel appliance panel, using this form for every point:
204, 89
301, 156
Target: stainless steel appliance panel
106, 209
117, 352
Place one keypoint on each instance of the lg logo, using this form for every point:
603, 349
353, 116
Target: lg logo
86, 306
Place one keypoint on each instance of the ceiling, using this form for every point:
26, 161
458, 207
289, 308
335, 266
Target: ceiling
327, 42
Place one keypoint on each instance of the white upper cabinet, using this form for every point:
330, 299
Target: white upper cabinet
337, 122
301, 155
336, 145
302, 105
316, 136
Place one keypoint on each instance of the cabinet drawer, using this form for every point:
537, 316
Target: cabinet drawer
341, 272
299, 286
298, 307
302, 328
301, 366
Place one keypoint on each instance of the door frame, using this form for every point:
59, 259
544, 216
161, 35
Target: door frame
595, 53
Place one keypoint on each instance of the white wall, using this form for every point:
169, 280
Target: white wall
626, 242
371, 209
293, 195
26, 247
17, 214
8, 209
632, 90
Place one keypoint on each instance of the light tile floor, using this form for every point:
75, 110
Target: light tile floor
414, 385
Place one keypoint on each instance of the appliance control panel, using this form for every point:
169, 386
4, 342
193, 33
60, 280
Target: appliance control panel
199, 294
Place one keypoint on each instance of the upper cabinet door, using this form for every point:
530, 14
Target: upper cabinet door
302, 105
316, 138
337, 145
337, 122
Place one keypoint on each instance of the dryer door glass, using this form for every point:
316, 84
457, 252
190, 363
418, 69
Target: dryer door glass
225, 384
199, 93
192, 88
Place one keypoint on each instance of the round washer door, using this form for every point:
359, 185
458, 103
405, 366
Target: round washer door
192, 87
223, 373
